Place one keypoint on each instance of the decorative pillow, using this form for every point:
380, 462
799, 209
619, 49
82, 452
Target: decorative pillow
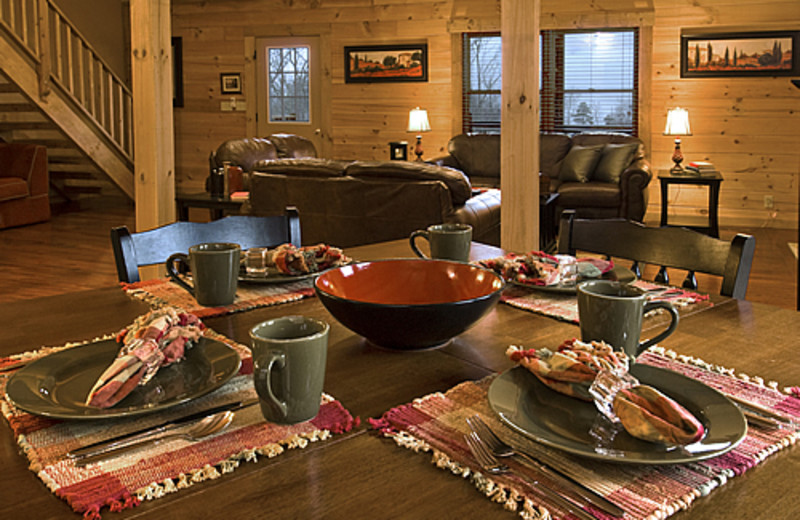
455, 180
579, 163
613, 161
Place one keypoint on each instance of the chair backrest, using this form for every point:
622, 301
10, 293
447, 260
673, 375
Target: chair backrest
132, 250
673, 247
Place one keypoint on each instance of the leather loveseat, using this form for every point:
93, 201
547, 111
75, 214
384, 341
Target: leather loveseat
599, 175
24, 184
351, 203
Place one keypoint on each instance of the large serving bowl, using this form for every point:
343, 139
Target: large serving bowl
409, 304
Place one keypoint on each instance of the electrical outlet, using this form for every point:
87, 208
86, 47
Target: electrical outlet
769, 201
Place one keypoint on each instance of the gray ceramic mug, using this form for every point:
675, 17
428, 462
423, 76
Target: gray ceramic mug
289, 356
215, 272
447, 241
613, 311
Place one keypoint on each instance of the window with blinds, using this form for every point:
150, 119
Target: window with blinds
589, 80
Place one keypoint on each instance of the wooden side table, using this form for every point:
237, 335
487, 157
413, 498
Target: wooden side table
217, 205
712, 181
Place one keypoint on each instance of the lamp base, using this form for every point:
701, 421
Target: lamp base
418, 149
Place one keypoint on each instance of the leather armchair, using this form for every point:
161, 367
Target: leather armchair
24, 184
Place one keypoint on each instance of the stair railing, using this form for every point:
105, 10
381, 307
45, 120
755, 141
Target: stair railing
65, 58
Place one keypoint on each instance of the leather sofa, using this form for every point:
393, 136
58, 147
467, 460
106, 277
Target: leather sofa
246, 152
599, 175
349, 203
24, 184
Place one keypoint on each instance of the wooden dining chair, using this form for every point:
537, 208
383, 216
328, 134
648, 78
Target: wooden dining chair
132, 250
667, 247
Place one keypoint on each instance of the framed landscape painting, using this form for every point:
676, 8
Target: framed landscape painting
771, 53
386, 63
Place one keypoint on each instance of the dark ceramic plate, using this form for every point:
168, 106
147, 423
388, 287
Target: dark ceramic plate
619, 274
563, 422
57, 385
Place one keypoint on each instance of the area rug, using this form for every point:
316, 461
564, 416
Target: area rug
160, 292
435, 424
152, 472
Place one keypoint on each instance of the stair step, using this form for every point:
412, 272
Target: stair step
25, 125
17, 107
77, 168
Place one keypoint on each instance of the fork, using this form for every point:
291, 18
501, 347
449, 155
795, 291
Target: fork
200, 430
501, 449
490, 464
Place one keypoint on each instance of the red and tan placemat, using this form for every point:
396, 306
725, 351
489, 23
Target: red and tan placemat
436, 424
565, 306
152, 472
162, 291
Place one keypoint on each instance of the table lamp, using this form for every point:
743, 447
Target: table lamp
677, 125
418, 123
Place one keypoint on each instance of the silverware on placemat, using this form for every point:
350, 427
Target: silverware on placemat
490, 464
203, 423
501, 449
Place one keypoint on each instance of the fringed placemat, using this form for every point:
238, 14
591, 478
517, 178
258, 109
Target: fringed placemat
564, 306
436, 424
151, 472
162, 291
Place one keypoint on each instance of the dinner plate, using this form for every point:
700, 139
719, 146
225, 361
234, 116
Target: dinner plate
273, 276
617, 273
57, 385
563, 422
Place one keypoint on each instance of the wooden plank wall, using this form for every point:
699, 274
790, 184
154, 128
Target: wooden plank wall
748, 127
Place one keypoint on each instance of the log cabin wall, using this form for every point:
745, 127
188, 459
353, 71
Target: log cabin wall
748, 127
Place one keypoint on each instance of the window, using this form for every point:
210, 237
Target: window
288, 84
588, 81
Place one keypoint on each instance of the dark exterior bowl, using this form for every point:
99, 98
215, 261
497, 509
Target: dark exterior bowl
409, 304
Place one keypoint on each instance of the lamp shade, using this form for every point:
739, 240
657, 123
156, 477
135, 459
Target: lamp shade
678, 122
418, 121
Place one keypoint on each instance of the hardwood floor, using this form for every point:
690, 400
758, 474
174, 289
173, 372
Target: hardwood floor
73, 252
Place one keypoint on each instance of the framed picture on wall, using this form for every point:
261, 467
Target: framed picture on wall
719, 55
231, 83
386, 63
177, 71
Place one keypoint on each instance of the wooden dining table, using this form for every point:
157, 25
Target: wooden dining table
360, 474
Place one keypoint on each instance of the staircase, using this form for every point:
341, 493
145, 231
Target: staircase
56, 91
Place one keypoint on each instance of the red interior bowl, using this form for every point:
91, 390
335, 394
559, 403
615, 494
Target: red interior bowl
409, 303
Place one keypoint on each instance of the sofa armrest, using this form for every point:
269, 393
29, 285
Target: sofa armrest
482, 212
633, 189
445, 160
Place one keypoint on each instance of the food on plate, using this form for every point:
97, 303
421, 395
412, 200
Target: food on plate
292, 260
153, 340
643, 411
571, 369
542, 269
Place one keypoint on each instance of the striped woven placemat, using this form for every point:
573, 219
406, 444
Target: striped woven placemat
162, 291
565, 306
436, 424
151, 472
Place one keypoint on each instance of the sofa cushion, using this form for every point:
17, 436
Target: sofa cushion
613, 161
579, 163
588, 194
291, 146
593, 138
455, 180
308, 167
478, 155
245, 152
13, 188
553, 147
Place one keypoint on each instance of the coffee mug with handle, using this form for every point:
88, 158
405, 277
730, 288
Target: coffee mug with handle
289, 357
215, 272
447, 241
612, 312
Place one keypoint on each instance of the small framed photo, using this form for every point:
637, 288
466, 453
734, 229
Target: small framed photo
231, 83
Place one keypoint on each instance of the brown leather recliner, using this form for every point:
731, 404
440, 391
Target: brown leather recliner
352, 203
24, 184
606, 175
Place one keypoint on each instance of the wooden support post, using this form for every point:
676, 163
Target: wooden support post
519, 157
153, 139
